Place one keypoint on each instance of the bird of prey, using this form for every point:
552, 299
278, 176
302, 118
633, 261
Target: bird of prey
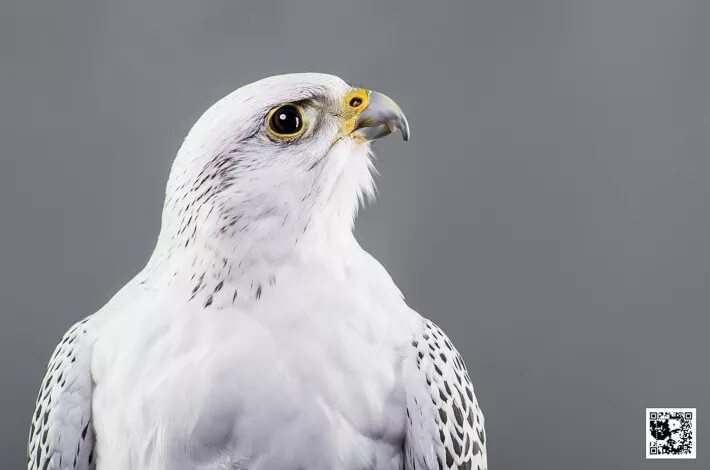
260, 335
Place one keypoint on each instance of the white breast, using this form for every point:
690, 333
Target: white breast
308, 376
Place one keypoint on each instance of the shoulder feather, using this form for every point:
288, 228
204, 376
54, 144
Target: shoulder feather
445, 427
61, 436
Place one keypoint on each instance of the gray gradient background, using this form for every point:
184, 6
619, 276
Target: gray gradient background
550, 213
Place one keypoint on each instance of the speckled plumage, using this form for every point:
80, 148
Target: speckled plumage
454, 424
61, 435
260, 335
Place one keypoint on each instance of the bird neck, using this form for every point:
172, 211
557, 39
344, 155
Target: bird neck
219, 257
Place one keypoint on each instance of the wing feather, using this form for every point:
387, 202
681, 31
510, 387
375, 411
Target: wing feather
61, 435
445, 427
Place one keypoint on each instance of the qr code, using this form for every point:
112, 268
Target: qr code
670, 433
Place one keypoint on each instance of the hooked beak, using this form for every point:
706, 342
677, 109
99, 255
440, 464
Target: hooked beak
381, 117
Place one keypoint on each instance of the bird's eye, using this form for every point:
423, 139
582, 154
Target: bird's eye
285, 121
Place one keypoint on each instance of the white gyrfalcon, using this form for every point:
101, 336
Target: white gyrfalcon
260, 335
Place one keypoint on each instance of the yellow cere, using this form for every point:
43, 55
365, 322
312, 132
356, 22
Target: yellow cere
353, 104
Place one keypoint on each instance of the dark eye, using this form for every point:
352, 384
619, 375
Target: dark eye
286, 120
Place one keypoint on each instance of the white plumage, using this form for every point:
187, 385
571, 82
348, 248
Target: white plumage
260, 335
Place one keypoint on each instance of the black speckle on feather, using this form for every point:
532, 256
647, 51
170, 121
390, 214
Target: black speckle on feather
457, 446
476, 449
442, 415
449, 458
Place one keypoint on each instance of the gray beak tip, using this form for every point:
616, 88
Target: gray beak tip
405, 131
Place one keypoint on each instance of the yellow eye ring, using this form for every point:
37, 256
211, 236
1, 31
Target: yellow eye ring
286, 121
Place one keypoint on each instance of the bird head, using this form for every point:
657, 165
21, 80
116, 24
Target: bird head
276, 161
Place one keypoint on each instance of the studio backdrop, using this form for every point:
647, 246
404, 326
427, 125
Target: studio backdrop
550, 212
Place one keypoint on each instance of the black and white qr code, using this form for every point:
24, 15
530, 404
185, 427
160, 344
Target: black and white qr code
671, 433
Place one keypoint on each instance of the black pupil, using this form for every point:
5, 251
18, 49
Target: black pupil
286, 120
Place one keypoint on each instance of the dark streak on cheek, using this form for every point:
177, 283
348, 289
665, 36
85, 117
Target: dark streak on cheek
316, 163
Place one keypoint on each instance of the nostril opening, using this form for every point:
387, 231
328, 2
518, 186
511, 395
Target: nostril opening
355, 102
